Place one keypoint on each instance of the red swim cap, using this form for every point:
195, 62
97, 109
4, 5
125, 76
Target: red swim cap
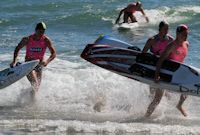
182, 28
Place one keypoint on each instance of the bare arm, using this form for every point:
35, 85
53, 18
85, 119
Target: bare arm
142, 11
52, 51
21, 44
148, 45
163, 57
117, 21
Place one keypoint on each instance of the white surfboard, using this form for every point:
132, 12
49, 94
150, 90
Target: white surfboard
128, 25
130, 62
10, 75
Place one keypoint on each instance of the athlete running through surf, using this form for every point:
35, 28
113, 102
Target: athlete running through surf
36, 45
177, 51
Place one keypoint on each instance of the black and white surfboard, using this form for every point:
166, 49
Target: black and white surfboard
122, 58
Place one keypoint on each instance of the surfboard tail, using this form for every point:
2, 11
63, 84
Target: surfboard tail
86, 51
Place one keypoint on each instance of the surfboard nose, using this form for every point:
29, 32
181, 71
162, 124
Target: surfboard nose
11, 75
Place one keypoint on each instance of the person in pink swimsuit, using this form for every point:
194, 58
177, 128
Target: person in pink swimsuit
36, 45
157, 45
159, 42
129, 13
177, 51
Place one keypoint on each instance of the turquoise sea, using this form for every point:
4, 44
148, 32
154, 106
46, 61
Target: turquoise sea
77, 97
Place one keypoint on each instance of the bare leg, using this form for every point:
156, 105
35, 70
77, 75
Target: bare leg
166, 94
32, 77
180, 103
133, 19
125, 18
157, 98
39, 77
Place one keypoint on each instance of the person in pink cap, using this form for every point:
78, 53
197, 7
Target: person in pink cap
177, 51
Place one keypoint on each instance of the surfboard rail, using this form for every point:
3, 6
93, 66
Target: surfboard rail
134, 64
10, 75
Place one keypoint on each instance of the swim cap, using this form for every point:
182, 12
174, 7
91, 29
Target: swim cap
139, 3
162, 24
41, 25
182, 28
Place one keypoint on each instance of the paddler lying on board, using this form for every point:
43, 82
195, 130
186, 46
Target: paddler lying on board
36, 45
129, 13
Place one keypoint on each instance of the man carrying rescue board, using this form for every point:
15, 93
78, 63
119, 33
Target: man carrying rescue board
36, 45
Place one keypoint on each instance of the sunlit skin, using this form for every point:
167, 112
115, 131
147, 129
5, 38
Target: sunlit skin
151, 42
127, 17
181, 40
35, 77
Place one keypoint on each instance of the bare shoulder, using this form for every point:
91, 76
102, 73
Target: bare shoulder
47, 40
149, 44
139, 7
24, 41
152, 39
186, 43
170, 37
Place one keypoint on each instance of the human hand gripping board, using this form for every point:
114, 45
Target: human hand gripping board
10, 75
117, 56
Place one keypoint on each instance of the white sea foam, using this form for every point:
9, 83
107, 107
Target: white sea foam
172, 15
76, 96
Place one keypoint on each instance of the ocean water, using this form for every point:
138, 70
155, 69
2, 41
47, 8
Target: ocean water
78, 98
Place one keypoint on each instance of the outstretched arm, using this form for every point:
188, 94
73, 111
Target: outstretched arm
117, 21
142, 11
